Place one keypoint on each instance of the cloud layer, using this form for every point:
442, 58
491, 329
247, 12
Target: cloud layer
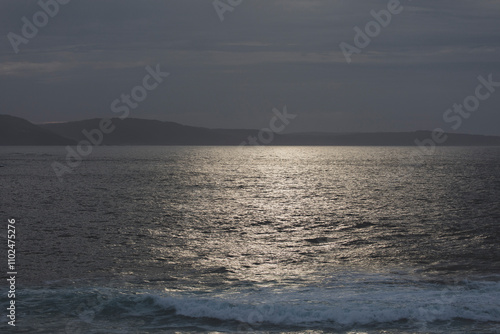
265, 54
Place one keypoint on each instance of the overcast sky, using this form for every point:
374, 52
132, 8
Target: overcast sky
265, 54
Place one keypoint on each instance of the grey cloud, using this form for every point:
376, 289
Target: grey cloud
265, 54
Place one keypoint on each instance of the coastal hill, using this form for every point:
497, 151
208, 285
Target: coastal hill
133, 131
18, 131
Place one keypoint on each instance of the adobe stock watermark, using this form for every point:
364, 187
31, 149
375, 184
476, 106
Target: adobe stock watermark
11, 271
222, 6
266, 135
121, 106
459, 112
85, 314
440, 305
258, 317
373, 28
30, 29
453, 116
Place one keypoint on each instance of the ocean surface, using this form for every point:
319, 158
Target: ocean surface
254, 240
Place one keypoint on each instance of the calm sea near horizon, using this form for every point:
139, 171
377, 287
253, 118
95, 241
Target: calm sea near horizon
255, 239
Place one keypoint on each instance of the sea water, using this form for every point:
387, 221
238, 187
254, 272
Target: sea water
254, 239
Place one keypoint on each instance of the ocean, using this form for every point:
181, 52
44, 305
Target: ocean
254, 240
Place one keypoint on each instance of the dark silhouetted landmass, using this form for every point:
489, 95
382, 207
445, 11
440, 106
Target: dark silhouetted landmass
17, 131
150, 132
133, 131
388, 139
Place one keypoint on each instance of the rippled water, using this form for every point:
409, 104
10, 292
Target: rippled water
269, 239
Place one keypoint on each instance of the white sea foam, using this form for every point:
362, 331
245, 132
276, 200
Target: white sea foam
476, 301
373, 302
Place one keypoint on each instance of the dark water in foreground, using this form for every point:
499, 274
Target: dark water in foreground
263, 239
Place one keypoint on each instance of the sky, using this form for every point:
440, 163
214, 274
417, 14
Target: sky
264, 54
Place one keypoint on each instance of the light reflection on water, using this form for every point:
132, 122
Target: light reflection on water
262, 213
309, 224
